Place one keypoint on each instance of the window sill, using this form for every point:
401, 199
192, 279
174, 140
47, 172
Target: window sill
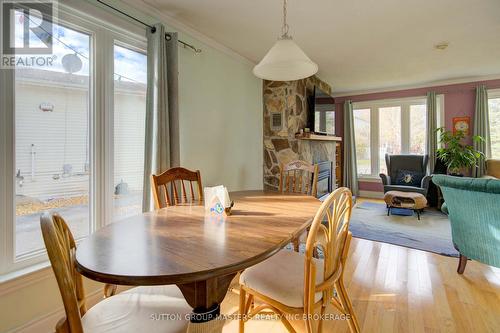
12, 281
369, 179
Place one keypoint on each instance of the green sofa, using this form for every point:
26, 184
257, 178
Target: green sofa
474, 211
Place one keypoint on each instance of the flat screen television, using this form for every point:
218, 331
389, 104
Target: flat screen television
321, 116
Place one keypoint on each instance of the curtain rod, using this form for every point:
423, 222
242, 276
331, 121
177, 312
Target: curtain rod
153, 29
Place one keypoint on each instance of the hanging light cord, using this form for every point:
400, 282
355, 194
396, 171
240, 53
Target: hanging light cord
285, 28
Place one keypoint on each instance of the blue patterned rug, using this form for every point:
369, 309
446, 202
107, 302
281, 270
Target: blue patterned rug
432, 233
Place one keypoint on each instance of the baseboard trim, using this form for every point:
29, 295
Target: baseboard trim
371, 194
47, 323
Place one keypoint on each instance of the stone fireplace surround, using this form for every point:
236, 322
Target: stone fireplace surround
280, 145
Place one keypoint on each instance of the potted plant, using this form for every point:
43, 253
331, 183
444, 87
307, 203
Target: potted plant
455, 154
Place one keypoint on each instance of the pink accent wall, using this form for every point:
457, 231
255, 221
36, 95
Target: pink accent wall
459, 100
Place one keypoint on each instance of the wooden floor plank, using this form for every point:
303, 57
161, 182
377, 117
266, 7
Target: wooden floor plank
396, 289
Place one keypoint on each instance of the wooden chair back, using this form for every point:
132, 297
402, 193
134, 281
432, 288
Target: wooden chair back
61, 249
169, 188
299, 177
333, 238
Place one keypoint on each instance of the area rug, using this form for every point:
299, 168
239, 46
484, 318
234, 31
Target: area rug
432, 233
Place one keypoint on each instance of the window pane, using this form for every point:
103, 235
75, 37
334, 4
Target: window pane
129, 130
330, 122
362, 137
389, 133
52, 140
418, 125
317, 115
494, 108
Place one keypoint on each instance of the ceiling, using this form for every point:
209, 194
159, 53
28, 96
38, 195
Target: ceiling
359, 45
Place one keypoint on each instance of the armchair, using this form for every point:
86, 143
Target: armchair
414, 163
474, 214
492, 168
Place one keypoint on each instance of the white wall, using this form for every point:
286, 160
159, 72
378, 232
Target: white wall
220, 119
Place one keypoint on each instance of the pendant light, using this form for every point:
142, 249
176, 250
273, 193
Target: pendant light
285, 61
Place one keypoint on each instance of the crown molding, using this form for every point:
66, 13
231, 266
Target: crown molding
420, 85
185, 28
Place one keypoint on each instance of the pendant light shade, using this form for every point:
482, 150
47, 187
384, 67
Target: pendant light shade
285, 61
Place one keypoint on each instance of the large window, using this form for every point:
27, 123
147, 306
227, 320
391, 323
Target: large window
52, 145
494, 109
72, 133
389, 127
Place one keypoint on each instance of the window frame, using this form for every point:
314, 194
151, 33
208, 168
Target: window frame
493, 93
105, 30
404, 104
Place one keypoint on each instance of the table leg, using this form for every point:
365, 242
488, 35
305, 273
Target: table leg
206, 296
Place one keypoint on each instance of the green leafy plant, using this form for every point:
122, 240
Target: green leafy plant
455, 154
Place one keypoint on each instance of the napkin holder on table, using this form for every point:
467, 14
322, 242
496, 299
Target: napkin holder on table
217, 200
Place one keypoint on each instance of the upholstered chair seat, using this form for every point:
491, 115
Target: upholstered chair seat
404, 188
286, 283
143, 309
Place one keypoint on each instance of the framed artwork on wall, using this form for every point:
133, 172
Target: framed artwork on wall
461, 124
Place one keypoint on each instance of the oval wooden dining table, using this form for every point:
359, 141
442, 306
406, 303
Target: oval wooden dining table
196, 250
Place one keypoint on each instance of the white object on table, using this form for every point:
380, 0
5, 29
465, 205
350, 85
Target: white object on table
216, 194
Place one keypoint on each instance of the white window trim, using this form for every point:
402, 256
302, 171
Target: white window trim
106, 30
404, 103
493, 93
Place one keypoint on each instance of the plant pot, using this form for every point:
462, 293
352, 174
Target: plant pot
455, 174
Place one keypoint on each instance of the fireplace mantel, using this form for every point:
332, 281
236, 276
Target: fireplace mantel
316, 137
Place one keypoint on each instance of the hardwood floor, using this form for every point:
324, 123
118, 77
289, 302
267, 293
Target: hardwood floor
396, 289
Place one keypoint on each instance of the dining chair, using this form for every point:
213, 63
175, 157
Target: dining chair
129, 311
299, 177
299, 284
166, 187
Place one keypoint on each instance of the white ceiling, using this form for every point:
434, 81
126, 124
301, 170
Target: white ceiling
359, 44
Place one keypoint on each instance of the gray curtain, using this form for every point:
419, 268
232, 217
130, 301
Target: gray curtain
162, 134
350, 172
482, 128
431, 139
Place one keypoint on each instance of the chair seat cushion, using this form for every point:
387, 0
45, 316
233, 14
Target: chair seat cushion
142, 309
281, 278
404, 188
